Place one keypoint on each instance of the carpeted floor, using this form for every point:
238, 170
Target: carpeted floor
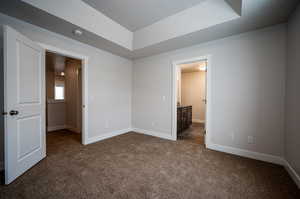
135, 166
193, 134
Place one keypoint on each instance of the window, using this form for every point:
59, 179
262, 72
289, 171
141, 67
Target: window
59, 93
59, 89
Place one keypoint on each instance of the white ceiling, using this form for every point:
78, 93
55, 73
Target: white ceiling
137, 14
190, 20
256, 14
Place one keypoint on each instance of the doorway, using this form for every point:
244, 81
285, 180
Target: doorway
83, 83
63, 95
191, 94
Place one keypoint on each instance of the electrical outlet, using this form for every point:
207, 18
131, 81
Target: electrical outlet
250, 139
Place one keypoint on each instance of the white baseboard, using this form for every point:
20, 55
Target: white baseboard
153, 133
248, 154
107, 135
292, 173
258, 156
62, 127
56, 128
198, 121
73, 129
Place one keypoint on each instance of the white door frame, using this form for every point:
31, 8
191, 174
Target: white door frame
84, 63
175, 67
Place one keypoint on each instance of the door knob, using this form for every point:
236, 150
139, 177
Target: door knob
14, 112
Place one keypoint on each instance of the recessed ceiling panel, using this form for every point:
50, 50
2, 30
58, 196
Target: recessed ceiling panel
136, 14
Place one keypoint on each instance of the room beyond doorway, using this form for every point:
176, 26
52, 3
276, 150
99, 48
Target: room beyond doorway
63, 93
190, 99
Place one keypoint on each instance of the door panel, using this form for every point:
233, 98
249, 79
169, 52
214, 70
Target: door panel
25, 95
29, 146
28, 67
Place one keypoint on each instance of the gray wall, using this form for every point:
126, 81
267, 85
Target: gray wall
292, 140
248, 89
109, 79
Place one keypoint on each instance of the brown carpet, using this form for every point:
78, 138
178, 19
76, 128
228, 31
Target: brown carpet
193, 134
135, 166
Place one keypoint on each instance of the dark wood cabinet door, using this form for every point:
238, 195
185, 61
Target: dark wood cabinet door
184, 118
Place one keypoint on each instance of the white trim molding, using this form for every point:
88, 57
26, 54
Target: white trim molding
258, 156
56, 128
246, 153
292, 173
106, 136
62, 127
154, 133
73, 129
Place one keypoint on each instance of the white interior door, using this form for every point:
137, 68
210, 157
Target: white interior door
24, 103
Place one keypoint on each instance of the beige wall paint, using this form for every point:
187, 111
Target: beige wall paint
50, 77
179, 86
72, 94
55, 114
193, 93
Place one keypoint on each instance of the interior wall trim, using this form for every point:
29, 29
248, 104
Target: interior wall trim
246, 153
106, 136
234, 151
154, 133
73, 129
258, 156
56, 128
216, 147
292, 173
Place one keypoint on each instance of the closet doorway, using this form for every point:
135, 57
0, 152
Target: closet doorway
63, 96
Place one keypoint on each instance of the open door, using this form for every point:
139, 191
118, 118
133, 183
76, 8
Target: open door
24, 79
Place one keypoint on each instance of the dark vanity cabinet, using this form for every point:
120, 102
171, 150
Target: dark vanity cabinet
184, 118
